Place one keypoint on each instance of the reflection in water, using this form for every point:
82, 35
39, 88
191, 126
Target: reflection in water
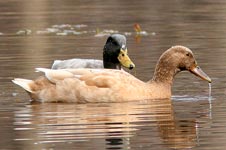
120, 124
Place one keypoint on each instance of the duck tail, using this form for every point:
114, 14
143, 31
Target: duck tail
41, 70
24, 83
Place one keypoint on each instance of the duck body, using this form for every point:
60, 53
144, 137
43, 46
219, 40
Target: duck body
109, 85
92, 85
114, 56
77, 63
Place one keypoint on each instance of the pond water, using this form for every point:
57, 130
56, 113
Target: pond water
34, 33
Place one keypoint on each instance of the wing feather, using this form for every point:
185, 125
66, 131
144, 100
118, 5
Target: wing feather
55, 75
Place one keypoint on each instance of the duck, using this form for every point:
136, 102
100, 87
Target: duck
115, 55
111, 85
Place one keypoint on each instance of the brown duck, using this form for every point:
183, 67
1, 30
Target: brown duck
108, 85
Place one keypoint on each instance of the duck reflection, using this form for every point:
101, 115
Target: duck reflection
112, 125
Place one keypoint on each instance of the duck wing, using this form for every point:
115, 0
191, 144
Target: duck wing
77, 63
55, 75
102, 78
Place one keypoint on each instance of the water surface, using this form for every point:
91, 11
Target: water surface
34, 33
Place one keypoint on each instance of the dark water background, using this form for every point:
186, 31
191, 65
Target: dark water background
34, 33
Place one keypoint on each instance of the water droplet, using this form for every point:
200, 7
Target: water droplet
14, 94
210, 90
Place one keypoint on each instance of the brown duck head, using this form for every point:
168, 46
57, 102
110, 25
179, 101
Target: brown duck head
175, 60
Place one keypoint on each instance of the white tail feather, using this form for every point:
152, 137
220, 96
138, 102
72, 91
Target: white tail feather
24, 83
42, 70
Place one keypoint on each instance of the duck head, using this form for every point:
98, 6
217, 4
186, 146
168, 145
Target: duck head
175, 60
115, 53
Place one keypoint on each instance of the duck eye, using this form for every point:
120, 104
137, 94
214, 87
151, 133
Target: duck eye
187, 54
123, 55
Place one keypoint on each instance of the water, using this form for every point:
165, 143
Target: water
34, 33
210, 89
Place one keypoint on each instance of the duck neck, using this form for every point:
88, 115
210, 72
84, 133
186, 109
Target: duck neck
110, 65
110, 60
164, 73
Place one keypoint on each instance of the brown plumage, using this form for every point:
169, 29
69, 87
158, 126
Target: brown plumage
107, 85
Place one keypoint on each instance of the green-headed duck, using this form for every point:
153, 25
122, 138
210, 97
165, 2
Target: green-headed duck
115, 55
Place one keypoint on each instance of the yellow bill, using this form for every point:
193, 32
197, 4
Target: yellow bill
125, 60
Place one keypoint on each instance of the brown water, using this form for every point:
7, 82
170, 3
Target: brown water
190, 120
